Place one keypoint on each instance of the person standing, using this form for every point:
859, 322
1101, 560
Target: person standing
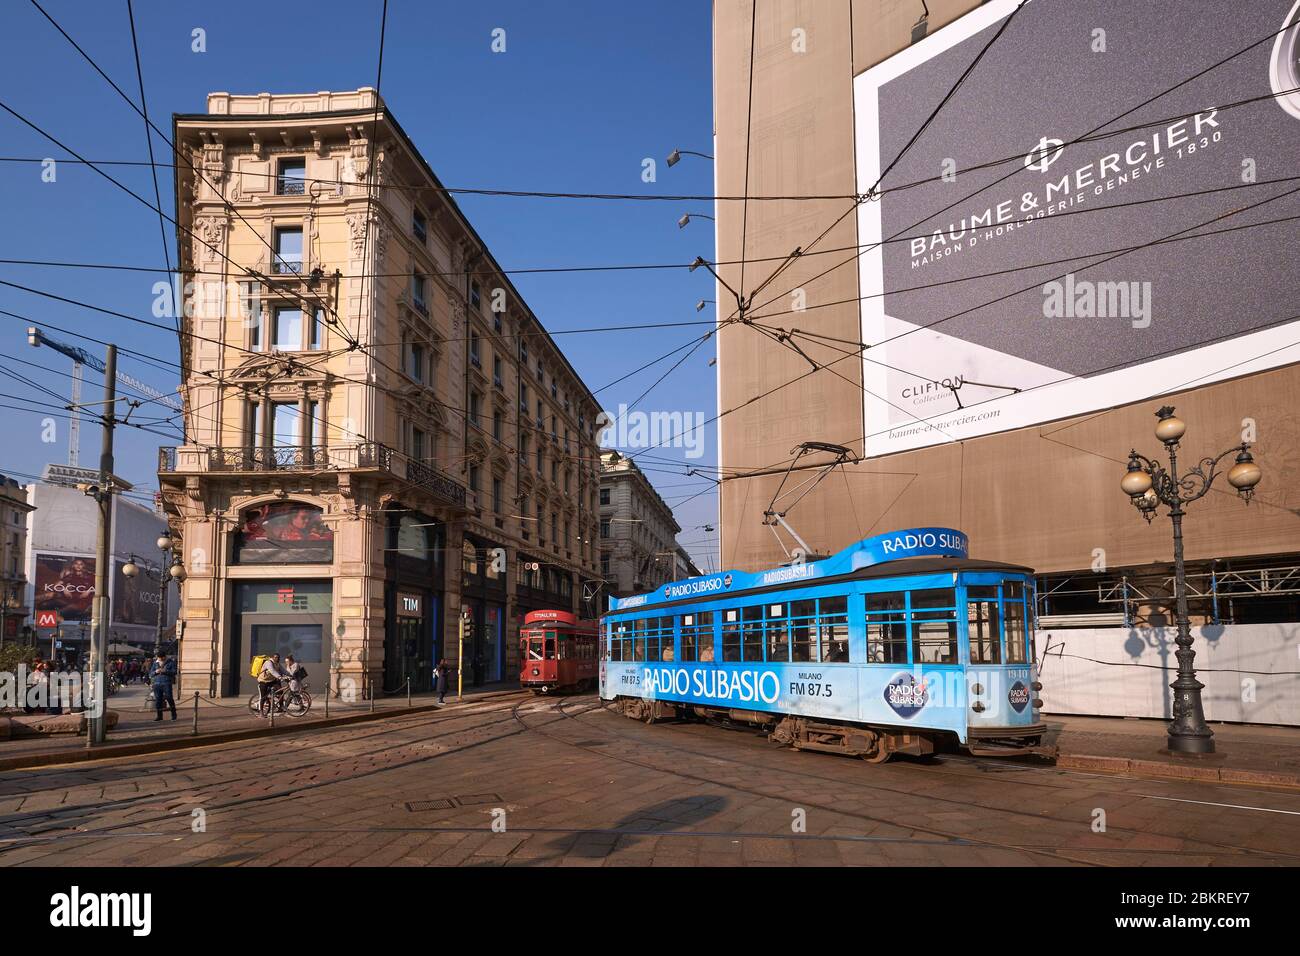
440, 674
162, 675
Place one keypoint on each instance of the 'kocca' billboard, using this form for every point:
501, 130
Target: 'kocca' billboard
1066, 279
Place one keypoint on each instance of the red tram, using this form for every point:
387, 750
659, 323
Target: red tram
557, 652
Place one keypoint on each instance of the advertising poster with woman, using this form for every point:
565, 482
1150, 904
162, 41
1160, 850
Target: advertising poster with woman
284, 532
65, 584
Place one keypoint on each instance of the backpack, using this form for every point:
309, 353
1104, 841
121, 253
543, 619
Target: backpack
256, 667
300, 673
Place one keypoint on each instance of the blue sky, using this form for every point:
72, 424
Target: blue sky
584, 92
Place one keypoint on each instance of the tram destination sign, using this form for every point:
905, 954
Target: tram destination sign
894, 546
1065, 244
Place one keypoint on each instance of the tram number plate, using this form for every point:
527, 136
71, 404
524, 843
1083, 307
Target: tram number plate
799, 688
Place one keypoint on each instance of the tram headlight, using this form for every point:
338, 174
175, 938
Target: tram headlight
1038, 703
1037, 686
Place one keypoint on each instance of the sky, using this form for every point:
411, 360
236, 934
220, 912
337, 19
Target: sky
583, 93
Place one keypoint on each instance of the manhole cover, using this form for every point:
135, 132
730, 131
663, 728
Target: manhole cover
418, 806
474, 799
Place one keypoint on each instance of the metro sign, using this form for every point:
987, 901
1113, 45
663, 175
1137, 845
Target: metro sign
47, 618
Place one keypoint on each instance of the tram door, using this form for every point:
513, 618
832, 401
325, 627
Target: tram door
998, 678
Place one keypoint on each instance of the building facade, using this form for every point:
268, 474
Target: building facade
1045, 496
380, 433
638, 534
61, 536
15, 603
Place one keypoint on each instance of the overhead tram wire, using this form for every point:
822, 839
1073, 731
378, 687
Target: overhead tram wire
642, 197
616, 267
370, 174
827, 341
986, 275
872, 192
293, 362
1146, 102
1091, 133
319, 302
743, 302
804, 375
148, 138
240, 269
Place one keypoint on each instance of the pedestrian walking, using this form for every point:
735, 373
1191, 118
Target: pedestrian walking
162, 674
440, 679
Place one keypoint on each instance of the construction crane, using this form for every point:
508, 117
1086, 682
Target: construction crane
36, 338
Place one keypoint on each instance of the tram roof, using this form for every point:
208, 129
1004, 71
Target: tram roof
910, 551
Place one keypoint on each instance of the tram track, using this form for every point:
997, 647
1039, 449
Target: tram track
192, 796
486, 726
1209, 847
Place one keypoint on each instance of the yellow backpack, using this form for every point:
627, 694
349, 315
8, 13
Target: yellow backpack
256, 667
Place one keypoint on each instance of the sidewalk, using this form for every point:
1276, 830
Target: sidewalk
224, 720
1245, 753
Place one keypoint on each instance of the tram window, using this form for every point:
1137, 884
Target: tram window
535, 649
778, 632
638, 630
651, 625
833, 621
887, 628
886, 641
888, 603
697, 636
688, 636
751, 636
666, 652
616, 643
803, 631
934, 626
550, 645
982, 626
731, 635
1017, 624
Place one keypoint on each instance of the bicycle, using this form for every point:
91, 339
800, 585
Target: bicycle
285, 701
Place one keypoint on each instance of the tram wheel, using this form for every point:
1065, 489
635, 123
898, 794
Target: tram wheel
879, 755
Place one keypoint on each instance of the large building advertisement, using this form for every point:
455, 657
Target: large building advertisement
1076, 274
65, 584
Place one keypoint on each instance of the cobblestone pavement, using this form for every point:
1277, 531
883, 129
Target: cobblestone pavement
567, 782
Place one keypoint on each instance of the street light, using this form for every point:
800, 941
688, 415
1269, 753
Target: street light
676, 155
176, 571
699, 306
687, 217
1149, 485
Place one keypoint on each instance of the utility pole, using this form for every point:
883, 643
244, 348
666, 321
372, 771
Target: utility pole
98, 722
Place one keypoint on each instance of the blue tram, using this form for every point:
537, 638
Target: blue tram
894, 645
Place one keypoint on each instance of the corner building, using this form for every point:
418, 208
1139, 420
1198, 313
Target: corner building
380, 433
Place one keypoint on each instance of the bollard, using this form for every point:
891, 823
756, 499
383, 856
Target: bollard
408, 692
372, 698
327, 699
271, 711
195, 731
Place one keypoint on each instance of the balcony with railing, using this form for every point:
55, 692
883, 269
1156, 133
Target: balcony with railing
363, 456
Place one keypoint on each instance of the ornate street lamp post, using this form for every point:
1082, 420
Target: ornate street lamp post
176, 571
1149, 484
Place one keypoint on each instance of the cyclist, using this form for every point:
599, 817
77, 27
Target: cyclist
269, 678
